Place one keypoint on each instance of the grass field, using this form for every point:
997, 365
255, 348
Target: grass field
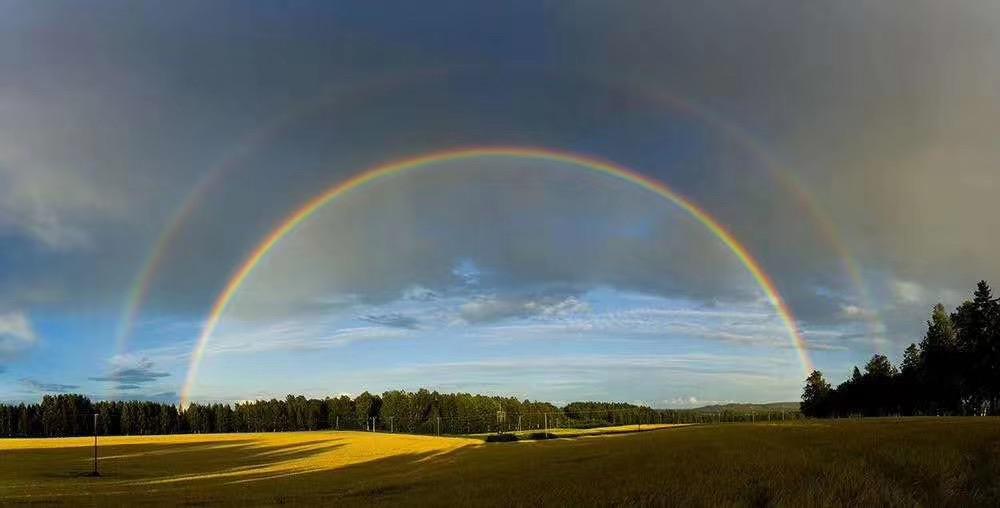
872, 462
595, 431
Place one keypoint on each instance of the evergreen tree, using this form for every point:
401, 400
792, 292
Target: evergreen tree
940, 364
976, 334
815, 395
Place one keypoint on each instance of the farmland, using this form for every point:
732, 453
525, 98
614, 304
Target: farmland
932, 461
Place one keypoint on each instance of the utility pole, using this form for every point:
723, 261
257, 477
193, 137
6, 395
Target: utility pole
439, 425
95, 473
390, 425
546, 416
338, 422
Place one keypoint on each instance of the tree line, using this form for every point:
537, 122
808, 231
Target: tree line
419, 412
954, 370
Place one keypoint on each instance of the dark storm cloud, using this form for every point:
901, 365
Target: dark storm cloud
105, 130
875, 105
545, 107
887, 112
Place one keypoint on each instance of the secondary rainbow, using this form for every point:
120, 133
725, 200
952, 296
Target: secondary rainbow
392, 168
787, 179
348, 95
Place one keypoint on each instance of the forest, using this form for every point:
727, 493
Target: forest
954, 370
419, 412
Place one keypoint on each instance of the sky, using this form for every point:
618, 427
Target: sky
147, 148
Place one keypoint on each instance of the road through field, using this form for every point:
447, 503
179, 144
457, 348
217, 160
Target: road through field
885, 462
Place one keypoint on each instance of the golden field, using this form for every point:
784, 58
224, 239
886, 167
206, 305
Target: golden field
932, 461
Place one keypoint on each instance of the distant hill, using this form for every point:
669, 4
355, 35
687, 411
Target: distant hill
737, 407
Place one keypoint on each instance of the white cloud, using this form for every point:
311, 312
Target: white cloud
689, 400
418, 293
852, 311
490, 308
569, 306
16, 333
908, 292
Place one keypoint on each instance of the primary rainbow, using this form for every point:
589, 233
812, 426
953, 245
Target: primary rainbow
391, 168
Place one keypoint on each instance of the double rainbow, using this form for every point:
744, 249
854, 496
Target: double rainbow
405, 165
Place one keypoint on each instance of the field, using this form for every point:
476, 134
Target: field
873, 462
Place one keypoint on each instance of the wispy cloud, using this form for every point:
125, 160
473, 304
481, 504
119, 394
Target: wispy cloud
485, 309
139, 373
295, 335
419, 293
35, 385
601, 376
393, 320
467, 271
731, 326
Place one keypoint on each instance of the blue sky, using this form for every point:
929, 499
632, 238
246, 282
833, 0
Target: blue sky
501, 276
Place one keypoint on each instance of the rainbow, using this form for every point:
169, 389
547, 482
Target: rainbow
400, 166
655, 95
787, 179
349, 95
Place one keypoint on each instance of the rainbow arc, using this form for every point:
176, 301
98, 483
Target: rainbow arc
410, 164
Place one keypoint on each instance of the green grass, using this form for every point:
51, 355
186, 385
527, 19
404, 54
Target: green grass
888, 462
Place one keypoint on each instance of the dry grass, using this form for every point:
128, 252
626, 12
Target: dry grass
875, 462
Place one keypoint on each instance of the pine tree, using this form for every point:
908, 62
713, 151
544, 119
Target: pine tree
940, 360
815, 395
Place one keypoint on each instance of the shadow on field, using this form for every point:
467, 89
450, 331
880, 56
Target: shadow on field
166, 462
946, 462
875, 463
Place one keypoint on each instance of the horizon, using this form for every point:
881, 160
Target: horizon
686, 405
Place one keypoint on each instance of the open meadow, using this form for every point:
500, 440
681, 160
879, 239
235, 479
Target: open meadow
932, 461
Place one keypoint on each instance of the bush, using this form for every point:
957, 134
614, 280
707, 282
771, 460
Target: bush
541, 435
500, 438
